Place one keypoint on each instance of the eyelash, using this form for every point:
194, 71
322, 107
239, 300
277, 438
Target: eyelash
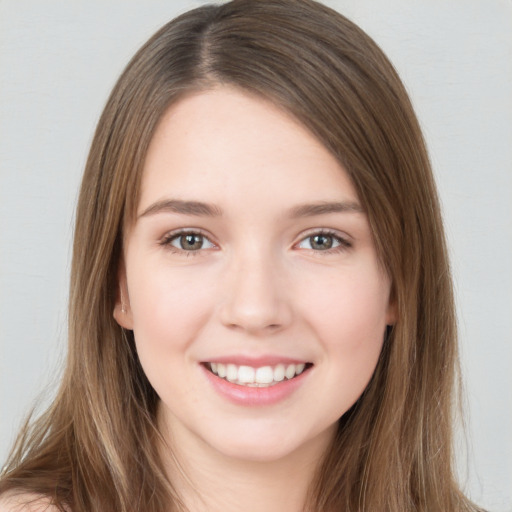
343, 243
170, 237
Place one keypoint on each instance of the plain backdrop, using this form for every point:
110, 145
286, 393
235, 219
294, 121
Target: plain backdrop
58, 62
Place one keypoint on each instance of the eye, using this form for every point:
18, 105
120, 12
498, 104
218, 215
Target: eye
189, 241
324, 241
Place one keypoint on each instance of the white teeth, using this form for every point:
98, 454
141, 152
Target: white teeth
290, 371
279, 373
221, 370
263, 376
246, 374
232, 372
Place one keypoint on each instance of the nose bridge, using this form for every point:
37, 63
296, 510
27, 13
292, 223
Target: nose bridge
255, 297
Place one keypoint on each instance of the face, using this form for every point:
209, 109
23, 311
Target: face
250, 280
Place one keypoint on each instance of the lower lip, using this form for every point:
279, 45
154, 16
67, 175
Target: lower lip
254, 396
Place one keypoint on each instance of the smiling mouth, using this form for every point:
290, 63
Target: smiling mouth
262, 377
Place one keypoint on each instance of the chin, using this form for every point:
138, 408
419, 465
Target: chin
253, 451
264, 446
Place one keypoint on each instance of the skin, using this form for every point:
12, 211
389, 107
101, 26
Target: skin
257, 285
25, 502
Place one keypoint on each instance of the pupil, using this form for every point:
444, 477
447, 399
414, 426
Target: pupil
191, 242
322, 242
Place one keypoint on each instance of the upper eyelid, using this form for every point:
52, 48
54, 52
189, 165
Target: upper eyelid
186, 231
324, 231
344, 237
170, 235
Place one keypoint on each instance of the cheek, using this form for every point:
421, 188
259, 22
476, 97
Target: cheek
349, 318
168, 310
353, 302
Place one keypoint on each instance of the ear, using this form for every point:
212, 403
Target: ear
392, 310
122, 310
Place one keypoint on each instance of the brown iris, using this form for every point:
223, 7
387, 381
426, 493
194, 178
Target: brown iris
191, 242
321, 242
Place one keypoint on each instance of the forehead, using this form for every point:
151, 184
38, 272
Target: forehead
222, 144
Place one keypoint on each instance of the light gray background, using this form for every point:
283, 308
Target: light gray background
58, 62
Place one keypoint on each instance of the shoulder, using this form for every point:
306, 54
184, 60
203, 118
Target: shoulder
25, 502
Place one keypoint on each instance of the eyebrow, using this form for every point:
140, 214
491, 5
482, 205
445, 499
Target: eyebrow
325, 207
200, 209
182, 207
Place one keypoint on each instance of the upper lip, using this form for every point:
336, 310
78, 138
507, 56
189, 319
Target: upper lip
256, 362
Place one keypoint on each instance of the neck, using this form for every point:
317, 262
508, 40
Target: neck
209, 481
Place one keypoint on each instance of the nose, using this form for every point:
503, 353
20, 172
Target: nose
255, 296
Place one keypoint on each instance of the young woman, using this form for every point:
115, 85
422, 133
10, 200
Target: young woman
261, 311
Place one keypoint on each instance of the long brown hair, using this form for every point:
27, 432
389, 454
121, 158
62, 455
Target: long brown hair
95, 448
